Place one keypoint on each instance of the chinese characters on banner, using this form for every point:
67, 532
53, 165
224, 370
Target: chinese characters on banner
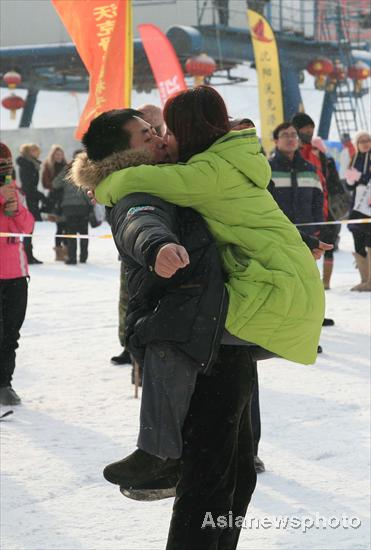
269, 76
164, 62
102, 33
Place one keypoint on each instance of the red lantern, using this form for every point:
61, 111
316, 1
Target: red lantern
359, 71
200, 66
320, 67
12, 79
339, 73
13, 102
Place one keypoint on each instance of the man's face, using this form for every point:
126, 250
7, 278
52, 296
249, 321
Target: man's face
306, 133
143, 136
287, 141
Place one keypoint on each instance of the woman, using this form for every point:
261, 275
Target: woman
276, 296
14, 218
29, 171
359, 180
53, 165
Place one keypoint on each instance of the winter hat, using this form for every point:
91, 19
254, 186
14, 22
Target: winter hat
302, 119
6, 162
319, 144
238, 121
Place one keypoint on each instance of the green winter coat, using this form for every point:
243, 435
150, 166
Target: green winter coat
276, 297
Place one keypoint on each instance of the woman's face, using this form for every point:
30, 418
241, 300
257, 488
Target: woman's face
35, 152
58, 155
171, 145
364, 143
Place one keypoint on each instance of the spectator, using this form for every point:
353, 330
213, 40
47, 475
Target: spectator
305, 126
359, 180
29, 168
14, 218
76, 208
52, 166
297, 188
338, 206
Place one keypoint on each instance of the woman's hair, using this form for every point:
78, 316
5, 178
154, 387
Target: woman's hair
358, 136
50, 161
25, 149
197, 117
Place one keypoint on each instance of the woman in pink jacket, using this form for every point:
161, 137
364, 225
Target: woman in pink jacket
14, 218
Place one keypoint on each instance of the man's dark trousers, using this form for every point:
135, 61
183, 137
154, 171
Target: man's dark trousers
217, 465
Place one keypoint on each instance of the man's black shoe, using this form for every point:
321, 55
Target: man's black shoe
122, 359
328, 322
70, 262
140, 470
259, 465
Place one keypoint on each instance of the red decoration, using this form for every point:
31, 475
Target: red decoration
13, 102
320, 67
201, 65
12, 79
359, 71
339, 73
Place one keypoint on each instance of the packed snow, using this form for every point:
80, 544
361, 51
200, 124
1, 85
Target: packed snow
79, 413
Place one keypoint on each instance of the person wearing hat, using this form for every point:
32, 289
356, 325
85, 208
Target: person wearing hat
14, 218
305, 125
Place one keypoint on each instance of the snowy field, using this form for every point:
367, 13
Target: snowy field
79, 413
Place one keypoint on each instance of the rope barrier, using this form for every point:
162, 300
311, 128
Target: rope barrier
109, 236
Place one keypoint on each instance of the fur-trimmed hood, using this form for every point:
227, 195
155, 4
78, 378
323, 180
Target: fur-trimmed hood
87, 173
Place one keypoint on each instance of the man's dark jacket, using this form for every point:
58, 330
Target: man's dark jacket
189, 309
297, 190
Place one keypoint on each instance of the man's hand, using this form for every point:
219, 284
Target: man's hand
170, 258
321, 249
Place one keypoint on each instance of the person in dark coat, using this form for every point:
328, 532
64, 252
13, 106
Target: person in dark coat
29, 173
75, 208
359, 181
297, 188
175, 319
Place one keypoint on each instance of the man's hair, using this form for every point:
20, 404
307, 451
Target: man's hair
237, 121
107, 135
280, 127
197, 117
302, 119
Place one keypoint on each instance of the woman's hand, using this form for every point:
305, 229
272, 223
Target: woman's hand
8, 192
170, 258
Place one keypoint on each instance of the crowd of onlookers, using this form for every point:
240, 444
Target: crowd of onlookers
60, 201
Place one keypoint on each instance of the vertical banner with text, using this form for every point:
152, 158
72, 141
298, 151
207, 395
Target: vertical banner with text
103, 35
269, 76
164, 62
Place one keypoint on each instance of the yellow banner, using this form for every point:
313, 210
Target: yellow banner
269, 76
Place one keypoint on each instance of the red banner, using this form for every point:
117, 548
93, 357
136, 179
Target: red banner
102, 33
163, 60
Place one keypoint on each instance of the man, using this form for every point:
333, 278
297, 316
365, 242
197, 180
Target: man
297, 188
304, 125
153, 116
175, 319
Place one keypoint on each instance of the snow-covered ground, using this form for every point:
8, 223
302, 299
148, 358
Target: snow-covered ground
79, 413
